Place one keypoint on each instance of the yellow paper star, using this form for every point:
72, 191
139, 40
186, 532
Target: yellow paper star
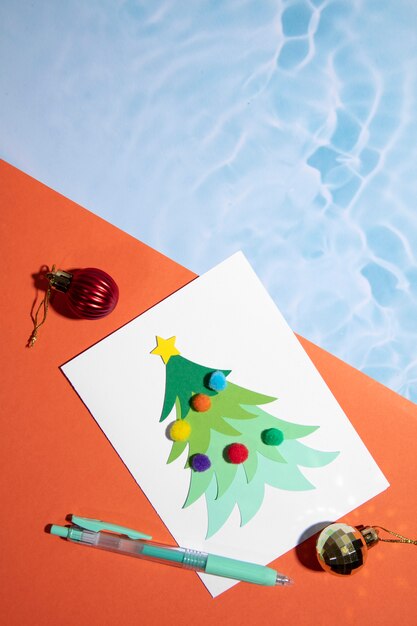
165, 348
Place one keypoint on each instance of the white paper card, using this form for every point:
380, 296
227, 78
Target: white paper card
224, 319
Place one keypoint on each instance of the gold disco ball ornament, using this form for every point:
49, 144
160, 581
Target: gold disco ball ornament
342, 550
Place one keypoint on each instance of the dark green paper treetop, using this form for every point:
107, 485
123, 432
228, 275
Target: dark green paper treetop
234, 447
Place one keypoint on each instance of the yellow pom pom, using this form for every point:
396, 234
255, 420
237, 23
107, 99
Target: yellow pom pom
180, 430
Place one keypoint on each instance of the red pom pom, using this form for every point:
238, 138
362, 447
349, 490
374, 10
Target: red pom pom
200, 402
237, 453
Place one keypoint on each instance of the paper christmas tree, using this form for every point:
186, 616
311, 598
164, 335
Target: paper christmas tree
234, 447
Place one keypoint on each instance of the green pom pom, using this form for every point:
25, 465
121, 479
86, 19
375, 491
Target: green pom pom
272, 436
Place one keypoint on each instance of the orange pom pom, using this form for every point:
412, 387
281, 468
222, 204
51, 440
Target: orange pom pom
200, 402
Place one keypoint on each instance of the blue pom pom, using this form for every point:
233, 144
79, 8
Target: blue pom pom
217, 381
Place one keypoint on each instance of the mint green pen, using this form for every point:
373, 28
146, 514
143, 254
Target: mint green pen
114, 538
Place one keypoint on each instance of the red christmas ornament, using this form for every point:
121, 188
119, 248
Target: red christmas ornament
236, 453
91, 294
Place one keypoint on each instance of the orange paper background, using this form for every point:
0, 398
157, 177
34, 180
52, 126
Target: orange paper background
56, 461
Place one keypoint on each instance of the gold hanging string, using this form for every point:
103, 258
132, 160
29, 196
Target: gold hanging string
44, 305
400, 538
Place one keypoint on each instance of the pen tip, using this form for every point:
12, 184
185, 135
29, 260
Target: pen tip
283, 580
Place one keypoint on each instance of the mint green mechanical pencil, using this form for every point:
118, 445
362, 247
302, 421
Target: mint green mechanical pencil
114, 538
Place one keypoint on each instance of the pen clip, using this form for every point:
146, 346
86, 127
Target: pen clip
97, 525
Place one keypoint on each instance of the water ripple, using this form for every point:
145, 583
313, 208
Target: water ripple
285, 128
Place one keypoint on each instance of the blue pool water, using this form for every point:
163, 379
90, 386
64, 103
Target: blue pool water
283, 128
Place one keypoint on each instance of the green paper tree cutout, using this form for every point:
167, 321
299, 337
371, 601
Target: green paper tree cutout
235, 416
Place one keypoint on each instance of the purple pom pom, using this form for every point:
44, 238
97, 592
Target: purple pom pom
200, 462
